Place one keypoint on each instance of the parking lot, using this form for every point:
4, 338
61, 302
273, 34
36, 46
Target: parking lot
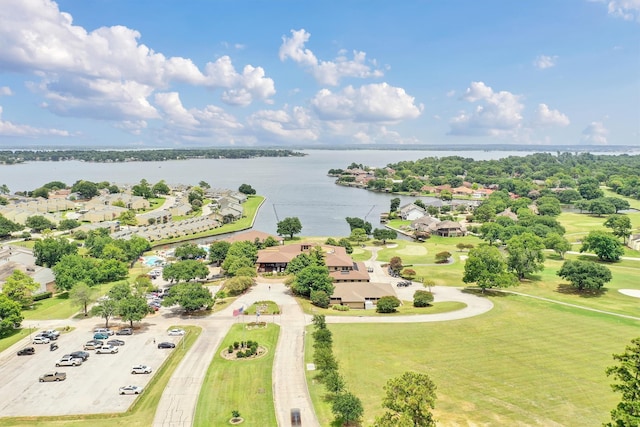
89, 388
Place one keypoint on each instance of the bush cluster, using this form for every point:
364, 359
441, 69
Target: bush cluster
251, 348
422, 298
41, 296
339, 307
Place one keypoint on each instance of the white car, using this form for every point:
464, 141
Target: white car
68, 360
141, 369
130, 389
52, 332
103, 331
176, 332
39, 339
106, 349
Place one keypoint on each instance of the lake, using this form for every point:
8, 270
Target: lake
293, 186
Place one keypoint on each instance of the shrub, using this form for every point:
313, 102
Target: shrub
339, 307
236, 345
43, 295
408, 273
422, 298
442, 257
230, 350
320, 299
387, 304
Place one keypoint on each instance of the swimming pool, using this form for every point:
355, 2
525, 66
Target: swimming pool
152, 260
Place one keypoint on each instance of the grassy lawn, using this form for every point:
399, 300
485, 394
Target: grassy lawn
266, 307
143, 410
526, 362
405, 309
243, 385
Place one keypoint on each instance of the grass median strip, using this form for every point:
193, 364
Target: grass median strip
141, 412
244, 385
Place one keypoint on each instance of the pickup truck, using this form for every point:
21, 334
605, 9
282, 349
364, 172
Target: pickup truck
69, 360
53, 376
106, 349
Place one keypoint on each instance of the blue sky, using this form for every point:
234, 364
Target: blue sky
149, 73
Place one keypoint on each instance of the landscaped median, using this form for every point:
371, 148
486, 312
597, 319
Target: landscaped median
141, 412
405, 309
240, 384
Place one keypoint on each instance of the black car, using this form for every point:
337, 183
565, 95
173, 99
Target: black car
27, 351
125, 331
166, 345
80, 355
51, 336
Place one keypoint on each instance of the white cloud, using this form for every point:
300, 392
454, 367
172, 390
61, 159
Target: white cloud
496, 114
544, 61
285, 126
628, 10
326, 72
595, 134
369, 103
134, 127
10, 129
547, 117
5, 91
107, 73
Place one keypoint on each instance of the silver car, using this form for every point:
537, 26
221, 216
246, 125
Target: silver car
68, 360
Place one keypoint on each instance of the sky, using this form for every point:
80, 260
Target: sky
240, 73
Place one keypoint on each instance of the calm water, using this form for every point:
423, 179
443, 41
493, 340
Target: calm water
293, 187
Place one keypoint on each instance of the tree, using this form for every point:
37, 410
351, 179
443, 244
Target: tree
395, 264
557, 243
358, 235
320, 299
120, 291
395, 204
234, 263
143, 189
190, 296
355, 222
487, 268
347, 408
289, 226
301, 261
85, 189
133, 308
7, 227
82, 295
621, 226
218, 251
239, 284
333, 381
185, 271
72, 269
604, 245
601, 206
585, 274
422, 298
446, 195
387, 304
68, 224
38, 223
526, 254
410, 397
313, 278
442, 257
128, 217
491, 232
246, 189
384, 234
10, 315
49, 251
190, 251
627, 375
107, 308
160, 187
19, 287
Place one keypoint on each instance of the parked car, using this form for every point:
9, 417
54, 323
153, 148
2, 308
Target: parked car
130, 389
141, 369
53, 346
39, 339
100, 336
68, 360
80, 355
103, 330
115, 342
51, 336
27, 351
106, 349
52, 332
125, 331
166, 345
93, 344
176, 332
53, 376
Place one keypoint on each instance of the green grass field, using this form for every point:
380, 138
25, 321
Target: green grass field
526, 362
243, 385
